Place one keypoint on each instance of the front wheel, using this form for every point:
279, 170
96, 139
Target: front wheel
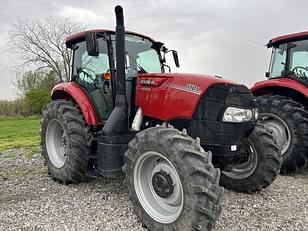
66, 141
172, 183
258, 166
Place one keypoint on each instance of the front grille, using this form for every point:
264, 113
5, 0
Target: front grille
207, 121
220, 96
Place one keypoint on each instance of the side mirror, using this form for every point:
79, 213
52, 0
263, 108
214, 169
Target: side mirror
92, 44
176, 58
267, 74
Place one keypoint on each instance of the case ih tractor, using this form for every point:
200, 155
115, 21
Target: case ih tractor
283, 98
122, 112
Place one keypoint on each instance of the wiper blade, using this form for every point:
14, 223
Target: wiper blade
141, 69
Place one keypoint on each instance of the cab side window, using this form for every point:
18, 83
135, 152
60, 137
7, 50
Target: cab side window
88, 68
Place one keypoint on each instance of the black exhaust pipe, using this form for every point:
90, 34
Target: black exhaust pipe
112, 142
117, 123
120, 51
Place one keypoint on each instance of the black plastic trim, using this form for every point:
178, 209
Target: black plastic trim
207, 124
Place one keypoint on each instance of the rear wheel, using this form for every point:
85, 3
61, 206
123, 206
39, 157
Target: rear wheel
287, 121
172, 183
66, 141
259, 164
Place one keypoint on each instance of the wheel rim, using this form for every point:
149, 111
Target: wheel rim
244, 170
279, 130
56, 143
163, 204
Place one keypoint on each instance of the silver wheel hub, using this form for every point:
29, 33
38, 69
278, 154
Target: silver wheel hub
247, 168
158, 187
56, 143
279, 130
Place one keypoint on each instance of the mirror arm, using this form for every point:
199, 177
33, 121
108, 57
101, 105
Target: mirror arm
169, 68
174, 54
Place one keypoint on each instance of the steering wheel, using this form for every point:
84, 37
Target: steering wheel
300, 71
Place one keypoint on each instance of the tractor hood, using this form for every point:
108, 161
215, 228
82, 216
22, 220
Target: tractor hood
169, 96
194, 83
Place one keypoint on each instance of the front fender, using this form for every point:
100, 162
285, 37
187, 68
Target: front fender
73, 91
269, 86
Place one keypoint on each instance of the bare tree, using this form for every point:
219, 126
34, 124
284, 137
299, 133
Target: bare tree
42, 44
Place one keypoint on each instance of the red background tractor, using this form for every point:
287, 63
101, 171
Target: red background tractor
283, 98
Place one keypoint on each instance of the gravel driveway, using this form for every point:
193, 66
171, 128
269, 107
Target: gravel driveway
30, 200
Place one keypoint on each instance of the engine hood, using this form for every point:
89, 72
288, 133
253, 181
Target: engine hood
179, 80
168, 96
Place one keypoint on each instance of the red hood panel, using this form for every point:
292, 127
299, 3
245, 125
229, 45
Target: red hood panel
168, 96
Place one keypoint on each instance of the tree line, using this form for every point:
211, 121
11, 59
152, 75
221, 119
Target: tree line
34, 88
44, 61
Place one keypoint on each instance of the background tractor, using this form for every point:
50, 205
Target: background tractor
283, 98
122, 112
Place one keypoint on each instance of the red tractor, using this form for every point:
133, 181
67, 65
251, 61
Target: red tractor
122, 112
283, 100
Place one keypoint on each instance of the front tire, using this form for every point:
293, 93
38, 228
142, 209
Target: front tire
261, 167
172, 182
66, 141
287, 121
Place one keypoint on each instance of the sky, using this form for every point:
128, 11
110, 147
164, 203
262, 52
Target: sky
215, 37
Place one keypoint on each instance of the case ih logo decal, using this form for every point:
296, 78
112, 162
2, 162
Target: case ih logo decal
148, 82
191, 88
151, 82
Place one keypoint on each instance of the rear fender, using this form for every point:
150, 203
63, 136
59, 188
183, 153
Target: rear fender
73, 91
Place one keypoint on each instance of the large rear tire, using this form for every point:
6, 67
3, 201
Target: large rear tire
66, 141
261, 166
287, 121
172, 182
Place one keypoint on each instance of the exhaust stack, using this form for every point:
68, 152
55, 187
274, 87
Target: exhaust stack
120, 51
117, 122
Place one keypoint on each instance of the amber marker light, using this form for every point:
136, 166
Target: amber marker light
107, 76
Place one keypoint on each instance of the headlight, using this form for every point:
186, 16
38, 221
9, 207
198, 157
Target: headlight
237, 115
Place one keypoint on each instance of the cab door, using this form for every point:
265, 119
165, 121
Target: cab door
89, 72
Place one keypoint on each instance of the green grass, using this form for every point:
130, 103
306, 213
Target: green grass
18, 132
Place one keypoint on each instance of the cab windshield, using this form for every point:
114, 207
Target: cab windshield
290, 60
141, 56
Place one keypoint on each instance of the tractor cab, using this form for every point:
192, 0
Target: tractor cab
94, 65
289, 57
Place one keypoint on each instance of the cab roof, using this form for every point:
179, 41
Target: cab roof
287, 38
80, 36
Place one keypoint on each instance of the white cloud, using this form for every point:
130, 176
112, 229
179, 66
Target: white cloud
83, 15
212, 37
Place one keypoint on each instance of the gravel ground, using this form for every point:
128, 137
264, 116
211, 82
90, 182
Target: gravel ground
30, 200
